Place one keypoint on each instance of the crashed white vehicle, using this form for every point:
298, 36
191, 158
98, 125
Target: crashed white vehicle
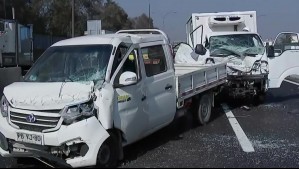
232, 37
88, 97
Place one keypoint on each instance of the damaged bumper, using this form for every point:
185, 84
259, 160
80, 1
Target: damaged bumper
76, 145
247, 77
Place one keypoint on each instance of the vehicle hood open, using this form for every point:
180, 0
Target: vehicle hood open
47, 96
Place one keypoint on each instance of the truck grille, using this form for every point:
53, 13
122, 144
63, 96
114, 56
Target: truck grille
40, 124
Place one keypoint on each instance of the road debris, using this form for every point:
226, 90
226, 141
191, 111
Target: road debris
245, 108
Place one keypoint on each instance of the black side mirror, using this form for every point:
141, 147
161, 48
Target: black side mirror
200, 49
271, 52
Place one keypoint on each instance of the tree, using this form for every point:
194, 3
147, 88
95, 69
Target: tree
26, 12
94, 8
54, 16
20, 7
59, 13
114, 17
142, 22
2, 10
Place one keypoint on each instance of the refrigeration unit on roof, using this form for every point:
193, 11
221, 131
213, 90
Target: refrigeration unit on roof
226, 20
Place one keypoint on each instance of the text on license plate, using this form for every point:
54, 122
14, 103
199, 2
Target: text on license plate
30, 138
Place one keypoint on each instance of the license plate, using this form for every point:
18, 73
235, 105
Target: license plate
30, 138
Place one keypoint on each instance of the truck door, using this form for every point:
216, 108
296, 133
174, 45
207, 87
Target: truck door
286, 60
197, 33
160, 97
129, 114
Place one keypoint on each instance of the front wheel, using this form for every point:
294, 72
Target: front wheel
260, 98
108, 153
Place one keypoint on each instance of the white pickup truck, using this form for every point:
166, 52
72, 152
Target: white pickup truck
88, 97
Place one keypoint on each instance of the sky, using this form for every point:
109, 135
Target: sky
274, 16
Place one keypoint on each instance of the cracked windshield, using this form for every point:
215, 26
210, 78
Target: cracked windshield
71, 64
240, 45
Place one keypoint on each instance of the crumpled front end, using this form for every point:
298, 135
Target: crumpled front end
74, 145
247, 66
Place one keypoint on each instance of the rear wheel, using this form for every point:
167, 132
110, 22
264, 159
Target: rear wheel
108, 153
204, 110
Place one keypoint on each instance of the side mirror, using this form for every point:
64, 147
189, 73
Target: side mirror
128, 78
277, 52
200, 49
271, 52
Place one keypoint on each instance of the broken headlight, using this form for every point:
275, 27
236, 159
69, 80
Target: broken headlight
256, 66
79, 112
4, 107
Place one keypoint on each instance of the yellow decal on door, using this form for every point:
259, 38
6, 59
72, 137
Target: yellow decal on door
124, 98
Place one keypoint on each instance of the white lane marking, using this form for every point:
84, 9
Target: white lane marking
292, 82
243, 139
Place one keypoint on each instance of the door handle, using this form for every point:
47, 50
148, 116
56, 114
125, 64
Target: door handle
143, 98
168, 87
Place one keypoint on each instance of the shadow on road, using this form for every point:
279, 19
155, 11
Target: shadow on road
173, 132
279, 99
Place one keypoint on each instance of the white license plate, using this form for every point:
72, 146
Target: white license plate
30, 138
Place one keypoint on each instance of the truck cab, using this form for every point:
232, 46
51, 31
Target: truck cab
283, 58
232, 37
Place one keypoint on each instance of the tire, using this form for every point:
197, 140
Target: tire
11, 163
260, 98
108, 153
20, 162
204, 110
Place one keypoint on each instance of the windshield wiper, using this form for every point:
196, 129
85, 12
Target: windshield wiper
233, 52
225, 55
219, 55
250, 54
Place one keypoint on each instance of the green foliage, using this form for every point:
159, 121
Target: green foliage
142, 22
54, 16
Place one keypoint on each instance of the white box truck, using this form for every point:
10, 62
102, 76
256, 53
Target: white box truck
86, 98
232, 36
16, 51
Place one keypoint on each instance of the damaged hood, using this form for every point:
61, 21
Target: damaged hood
242, 64
47, 96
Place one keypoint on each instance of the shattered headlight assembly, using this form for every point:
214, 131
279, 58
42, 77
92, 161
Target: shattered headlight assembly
256, 66
4, 107
79, 112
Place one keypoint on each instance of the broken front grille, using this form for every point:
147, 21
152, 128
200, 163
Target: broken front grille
35, 121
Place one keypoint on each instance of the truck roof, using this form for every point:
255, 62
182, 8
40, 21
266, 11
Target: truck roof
230, 33
113, 39
225, 13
